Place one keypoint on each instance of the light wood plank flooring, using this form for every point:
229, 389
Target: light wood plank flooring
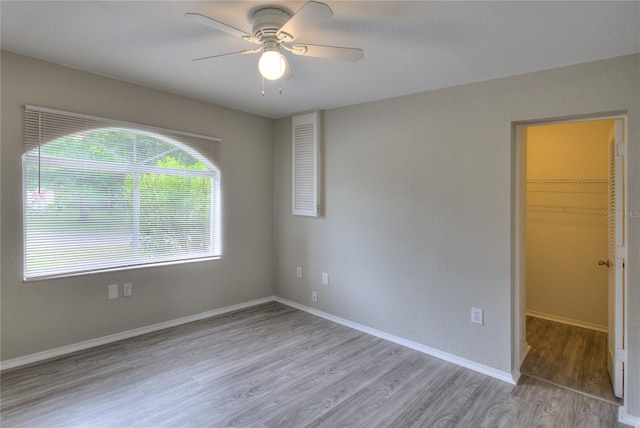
569, 356
275, 366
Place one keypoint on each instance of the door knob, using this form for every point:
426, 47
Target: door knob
603, 262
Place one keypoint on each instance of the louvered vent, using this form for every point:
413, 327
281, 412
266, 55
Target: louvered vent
612, 198
305, 160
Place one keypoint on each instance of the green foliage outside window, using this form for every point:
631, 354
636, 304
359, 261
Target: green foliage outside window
165, 201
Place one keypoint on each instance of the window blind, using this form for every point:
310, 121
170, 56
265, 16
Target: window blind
103, 195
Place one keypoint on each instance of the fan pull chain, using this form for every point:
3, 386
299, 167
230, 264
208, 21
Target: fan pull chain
279, 87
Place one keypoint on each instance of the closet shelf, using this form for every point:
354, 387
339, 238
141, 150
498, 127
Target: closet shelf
587, 196
568, 181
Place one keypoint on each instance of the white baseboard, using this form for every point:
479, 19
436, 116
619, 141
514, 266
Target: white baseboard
512, 378
568, 321
625, 418
56, 352
515, 374
524, 352
480, 368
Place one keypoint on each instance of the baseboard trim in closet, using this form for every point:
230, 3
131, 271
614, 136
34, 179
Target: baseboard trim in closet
568, 321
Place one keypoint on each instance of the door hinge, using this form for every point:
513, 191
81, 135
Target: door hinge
621, 149
621, 252
318, 209
621, 355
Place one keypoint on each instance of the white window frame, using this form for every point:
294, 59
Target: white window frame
187, 142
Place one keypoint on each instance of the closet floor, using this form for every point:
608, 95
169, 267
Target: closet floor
568, 356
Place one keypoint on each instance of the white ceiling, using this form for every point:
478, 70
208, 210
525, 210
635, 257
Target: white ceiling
410, 46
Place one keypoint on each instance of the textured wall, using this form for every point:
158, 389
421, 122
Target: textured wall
418, 208
38, 316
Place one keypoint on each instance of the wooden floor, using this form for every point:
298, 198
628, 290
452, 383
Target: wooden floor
275, 366
569, 356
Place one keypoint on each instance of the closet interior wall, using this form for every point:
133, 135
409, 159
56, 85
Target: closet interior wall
567, 224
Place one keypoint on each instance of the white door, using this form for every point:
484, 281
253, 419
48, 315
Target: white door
617, 255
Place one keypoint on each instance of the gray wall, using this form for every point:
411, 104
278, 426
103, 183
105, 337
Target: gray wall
417, 209
39, 316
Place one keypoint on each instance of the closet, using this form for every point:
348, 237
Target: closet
567, 224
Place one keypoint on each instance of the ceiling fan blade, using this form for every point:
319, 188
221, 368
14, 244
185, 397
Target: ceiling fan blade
288, 72
244, 52
328, 52
210, 22
311, 15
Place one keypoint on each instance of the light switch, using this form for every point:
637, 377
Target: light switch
113, 291
325, 278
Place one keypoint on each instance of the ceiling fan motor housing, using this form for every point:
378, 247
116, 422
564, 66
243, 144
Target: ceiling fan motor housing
267, 22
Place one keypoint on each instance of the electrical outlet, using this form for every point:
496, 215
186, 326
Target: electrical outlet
325, 279
314, 296
113, 291
299, 272
126, 290
477, 316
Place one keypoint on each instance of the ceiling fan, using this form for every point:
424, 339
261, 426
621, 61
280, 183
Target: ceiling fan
273, 30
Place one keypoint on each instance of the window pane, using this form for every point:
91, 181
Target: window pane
81, 218
115, 198
175, 212
149, 148
85, 146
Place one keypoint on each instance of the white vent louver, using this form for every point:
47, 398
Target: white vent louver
306, 164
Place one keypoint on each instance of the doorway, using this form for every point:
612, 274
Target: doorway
562, 245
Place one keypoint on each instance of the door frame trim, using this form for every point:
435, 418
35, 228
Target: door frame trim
519, 345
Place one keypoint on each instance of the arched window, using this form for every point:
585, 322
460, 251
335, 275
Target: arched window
103, 196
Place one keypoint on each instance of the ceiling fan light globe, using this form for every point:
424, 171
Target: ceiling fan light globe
271, 65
